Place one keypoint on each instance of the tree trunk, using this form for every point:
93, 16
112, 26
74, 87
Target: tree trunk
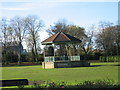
35, 51
19, 55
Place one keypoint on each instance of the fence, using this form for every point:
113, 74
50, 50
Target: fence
61, 58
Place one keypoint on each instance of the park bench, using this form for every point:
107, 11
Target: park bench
14, 82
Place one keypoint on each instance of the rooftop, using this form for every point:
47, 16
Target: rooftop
60, 37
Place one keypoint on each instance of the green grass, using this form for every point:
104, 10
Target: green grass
99, 71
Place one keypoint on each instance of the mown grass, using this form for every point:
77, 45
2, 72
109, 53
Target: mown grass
97, 71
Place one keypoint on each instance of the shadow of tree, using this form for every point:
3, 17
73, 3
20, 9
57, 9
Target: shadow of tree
115, 65
96, 65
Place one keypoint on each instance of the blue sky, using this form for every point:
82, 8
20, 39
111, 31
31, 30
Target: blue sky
79, 13
82, 14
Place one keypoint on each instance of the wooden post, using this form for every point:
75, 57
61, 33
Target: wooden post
54, 51
44, 56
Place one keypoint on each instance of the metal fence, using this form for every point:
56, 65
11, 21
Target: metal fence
61, 58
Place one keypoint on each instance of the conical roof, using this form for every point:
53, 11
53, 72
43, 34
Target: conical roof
60, 37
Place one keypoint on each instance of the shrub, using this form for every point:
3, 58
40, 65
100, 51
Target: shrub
29, 57
109, 58
97, 55
9, 57
40, 58
86, 57
24, 58
86, 84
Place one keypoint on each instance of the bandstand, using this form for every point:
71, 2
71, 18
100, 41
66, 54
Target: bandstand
57, 52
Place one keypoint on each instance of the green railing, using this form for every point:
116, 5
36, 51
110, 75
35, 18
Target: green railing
61, 58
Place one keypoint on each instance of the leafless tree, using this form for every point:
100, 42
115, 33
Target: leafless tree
108, 38
18, 26
34, 25
115, 42
87, 42
4, 34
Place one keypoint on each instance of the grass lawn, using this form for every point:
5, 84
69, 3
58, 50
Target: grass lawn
78, 74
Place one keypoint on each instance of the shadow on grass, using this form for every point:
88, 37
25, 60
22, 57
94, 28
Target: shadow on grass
90, 66
115, 65
83, 66
96, 65
99, 65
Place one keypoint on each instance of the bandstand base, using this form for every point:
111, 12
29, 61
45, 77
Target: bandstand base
65, 64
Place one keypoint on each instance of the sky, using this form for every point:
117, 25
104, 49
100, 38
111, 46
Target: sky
77, 12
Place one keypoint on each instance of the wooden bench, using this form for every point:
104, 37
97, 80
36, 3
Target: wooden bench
14, 82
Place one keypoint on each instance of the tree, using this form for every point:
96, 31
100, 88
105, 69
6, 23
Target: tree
79, 33
7, 35
115, 42
117, 39
34, 25
4, 36
88, 40
59, 26
73, 30
19, 28
107, 38
3, 28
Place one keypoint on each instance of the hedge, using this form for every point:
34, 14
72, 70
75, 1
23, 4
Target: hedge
109, 58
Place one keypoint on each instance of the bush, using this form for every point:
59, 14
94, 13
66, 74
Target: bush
86, 57
29, 57
86, 84
109, 58
97, 55
9, 57
91, 56
40, 58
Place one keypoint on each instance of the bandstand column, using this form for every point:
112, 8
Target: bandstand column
54, 53
44, 56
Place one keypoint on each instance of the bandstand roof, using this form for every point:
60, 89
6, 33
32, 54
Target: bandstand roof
60, 37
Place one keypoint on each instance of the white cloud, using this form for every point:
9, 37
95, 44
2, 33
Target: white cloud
40, 5
43, 35
31, 5
15, 9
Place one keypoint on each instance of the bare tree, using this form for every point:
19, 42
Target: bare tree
3, 28
19, 28
4, 36
107, 38
115, 35
117, 39
34, 25
87, 41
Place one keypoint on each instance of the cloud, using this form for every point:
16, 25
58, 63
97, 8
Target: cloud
29, 6
15, 9
41, 5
